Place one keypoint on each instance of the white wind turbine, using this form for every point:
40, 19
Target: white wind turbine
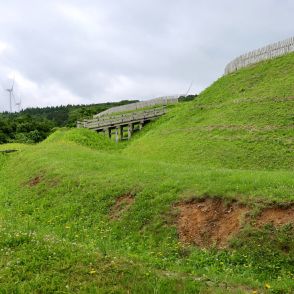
10, 91
18, 104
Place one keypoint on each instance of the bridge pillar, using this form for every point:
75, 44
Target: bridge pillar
121, 132
107, 132
141, 125
130, 130
116, 135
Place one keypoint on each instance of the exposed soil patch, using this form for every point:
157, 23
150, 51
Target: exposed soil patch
122, 204
35, 181
276, 216
209, 222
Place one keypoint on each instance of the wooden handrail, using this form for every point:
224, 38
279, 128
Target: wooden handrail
119, 119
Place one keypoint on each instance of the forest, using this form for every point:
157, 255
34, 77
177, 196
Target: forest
32, 125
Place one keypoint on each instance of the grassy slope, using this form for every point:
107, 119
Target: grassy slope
14, 146
57, 235
82, 137
231, 122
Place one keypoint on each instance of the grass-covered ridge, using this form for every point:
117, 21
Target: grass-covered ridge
58, 232
231, 122
83, 137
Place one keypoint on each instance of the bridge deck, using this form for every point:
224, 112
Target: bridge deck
118, 122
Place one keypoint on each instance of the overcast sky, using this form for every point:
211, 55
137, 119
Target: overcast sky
91, 51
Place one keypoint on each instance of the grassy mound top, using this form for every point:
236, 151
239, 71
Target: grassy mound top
82, 137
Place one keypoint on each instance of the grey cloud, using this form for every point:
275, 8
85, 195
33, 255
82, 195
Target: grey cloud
94, 51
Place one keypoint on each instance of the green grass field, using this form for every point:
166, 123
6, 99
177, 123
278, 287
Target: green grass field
230, 123
59, 230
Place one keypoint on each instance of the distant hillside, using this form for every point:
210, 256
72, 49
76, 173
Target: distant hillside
244, 120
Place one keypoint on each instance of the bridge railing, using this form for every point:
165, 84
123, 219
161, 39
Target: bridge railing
167, 100
101, 122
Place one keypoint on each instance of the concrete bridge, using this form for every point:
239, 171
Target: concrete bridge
122, 126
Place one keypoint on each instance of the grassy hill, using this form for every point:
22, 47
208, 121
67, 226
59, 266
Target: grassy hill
244, 120
81, 214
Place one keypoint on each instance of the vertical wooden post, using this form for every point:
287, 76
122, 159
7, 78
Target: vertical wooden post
140, 125
130, 130
107, 132
121, 132
116, 135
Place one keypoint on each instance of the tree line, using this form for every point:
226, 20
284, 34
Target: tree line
32, 125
